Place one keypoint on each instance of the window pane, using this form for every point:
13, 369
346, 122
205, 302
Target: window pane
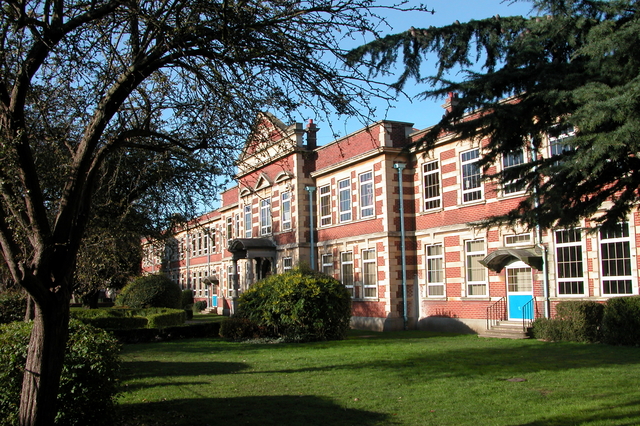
366, 194
431, 185
325, 205
344, 194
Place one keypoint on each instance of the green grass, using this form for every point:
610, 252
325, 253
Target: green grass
405, 378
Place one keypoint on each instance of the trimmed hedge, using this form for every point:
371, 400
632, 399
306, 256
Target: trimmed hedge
621, 321
148, 291
575, 321
167, 319
128, 319
146, 335
13, 305
299, 305
89, 381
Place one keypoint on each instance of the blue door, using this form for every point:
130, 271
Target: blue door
519, 291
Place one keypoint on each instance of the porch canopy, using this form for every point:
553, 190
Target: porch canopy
498, 259
252, 248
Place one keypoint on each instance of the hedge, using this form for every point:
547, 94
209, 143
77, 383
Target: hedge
621, 321
127, 319
575, 321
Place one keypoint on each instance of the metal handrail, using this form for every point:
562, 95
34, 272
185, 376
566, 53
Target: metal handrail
496, 312
529, 313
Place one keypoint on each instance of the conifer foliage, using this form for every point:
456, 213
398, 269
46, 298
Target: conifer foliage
573, 66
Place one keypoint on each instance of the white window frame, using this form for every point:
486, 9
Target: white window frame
431, 186
346, 277
345, 202
612, 241
434, 264
248, 221
570, 272
367, 196
558, 144
514, 186
285, 211
369, 280
265, 216
230, 281
471, 176
324, 205
327, 264
473, 266
524, 239
229, 233
287, 264
205, 241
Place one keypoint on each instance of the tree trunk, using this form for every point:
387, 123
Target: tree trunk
29, 313
45, 359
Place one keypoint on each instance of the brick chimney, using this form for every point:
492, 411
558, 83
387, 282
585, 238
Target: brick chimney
452, 101
311, 130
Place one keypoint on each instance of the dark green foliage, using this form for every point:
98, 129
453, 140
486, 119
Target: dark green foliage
576, 65
238, 328
299, 305
200, 305
145, 335
621, 321
188, 314
13, 305
575, 321
157, 291
187, 298
167, 319
89, 381
127, 319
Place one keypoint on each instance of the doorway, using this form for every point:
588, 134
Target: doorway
519, 290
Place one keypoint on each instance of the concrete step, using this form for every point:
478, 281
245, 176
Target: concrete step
506, 330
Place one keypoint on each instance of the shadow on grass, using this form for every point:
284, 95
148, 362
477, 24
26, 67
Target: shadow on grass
290, 410
630, 417
474, 357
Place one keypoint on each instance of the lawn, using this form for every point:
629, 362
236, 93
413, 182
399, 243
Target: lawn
403, 378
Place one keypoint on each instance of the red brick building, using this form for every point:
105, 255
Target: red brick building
420, 263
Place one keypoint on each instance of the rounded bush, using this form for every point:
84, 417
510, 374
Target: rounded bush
621, 321
151, 291
89, 380
187, 298
298, 305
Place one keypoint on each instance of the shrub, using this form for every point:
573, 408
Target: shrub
298, 305
237, 328
13, 305
187, 298
575, 321
166, 319
127, 319
88, 385
621, 321
200, 305
151, 291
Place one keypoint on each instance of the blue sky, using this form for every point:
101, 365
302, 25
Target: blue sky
426, 113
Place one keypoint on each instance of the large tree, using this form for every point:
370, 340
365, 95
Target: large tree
574, 65
164, 91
